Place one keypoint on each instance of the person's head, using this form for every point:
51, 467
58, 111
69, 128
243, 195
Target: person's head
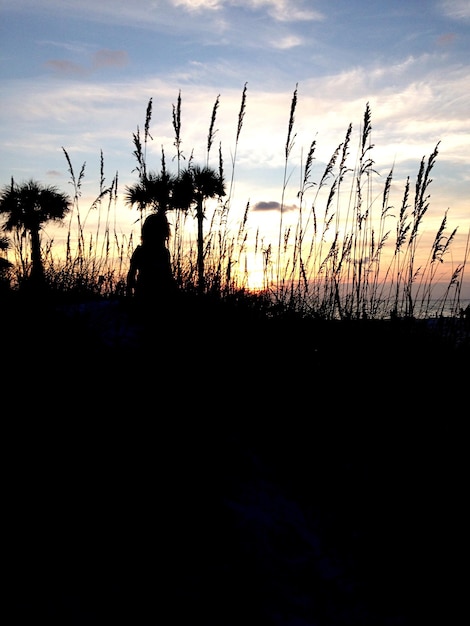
156, 229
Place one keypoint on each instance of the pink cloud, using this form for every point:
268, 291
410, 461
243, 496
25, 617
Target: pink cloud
446, 40
100, 59
110, 58
64, 67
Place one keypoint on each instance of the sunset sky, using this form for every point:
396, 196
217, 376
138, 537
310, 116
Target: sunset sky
78, 74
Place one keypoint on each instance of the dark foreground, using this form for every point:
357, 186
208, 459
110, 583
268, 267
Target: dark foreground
232, 470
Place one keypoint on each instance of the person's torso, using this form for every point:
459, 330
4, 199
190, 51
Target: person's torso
154, 269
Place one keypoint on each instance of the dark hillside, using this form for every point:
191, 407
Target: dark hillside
236, 470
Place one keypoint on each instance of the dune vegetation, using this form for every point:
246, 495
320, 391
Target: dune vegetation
348, 256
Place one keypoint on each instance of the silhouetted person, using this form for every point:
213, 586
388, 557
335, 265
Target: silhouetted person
150, 278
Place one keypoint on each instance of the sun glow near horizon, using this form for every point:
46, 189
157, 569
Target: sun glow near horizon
252, 247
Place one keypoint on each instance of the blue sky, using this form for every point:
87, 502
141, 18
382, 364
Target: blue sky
78, 74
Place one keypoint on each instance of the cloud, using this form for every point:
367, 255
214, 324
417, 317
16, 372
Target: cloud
66, 68
72, 47
288, 11
198, 5
100, 59
212, 22
272, 205
456, 9
279, 10
110, 58
446, 40
285, 43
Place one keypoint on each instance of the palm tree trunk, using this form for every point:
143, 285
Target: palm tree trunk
200, 246
37, 269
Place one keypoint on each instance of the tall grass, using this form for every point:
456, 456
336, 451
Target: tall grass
93, 260
349, 255
343, 264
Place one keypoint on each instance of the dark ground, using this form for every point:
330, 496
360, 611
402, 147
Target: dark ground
234, 471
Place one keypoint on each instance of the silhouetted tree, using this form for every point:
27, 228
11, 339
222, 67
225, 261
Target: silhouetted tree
154, 192
27, 207
5, 264
194, 185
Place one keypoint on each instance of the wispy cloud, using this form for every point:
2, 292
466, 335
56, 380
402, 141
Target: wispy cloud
446, 40
285, 43
281, 10
456, 9
199, 5
97, 61
325, 108
66, 68
288, 11
110, 58
72, 47
206, 15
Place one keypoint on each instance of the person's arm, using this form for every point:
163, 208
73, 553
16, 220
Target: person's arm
131, 274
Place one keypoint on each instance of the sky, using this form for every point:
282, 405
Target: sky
77, 75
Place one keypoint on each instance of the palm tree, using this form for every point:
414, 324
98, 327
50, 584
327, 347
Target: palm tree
194, 185
28, 206
153, 191
5, 264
